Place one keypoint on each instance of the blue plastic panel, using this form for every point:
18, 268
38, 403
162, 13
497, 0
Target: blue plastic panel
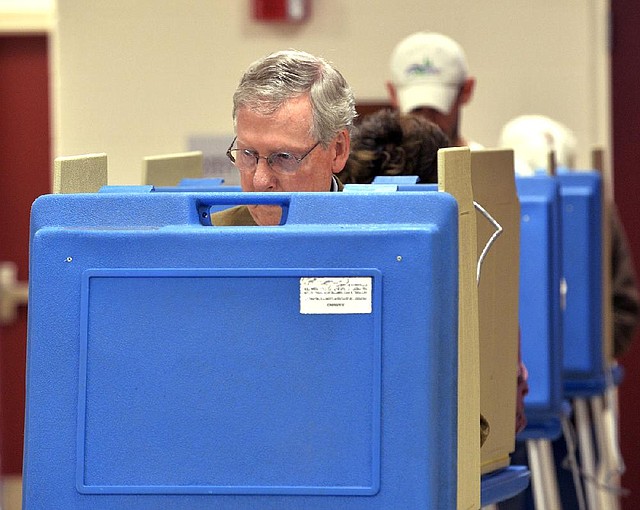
504, 484
215, 184
390, 184
396, 179
582, 262
585, 388
182, 371
540, 307
201, 182
549, 428
276, 390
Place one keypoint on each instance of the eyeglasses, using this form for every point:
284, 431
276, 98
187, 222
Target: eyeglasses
281, 162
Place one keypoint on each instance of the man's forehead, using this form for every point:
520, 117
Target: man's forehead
266, 108
290, 125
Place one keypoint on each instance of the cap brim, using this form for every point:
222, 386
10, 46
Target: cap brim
427, 95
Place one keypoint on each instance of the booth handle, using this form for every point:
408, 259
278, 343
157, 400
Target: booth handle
232, 199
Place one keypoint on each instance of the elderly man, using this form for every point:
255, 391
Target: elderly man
292, 113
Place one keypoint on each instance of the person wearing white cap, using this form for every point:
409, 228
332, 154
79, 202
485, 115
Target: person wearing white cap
533, 137
429, 76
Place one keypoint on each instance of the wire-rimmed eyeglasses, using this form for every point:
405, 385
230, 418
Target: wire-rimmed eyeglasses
246, 160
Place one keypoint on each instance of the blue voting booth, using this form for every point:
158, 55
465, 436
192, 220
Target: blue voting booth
174, 364
581, 198
541, 303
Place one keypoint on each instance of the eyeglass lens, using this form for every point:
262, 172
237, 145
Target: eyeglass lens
247, 161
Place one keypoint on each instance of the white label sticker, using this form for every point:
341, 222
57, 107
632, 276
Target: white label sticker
335, 295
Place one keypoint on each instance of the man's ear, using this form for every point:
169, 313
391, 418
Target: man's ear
343, 146
466, 93
393, 95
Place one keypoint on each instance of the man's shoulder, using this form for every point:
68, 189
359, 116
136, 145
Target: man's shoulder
234, 216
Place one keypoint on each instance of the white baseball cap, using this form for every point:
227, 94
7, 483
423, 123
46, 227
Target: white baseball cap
428, 70
532, 137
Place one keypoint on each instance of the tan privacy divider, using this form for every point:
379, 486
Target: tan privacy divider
170, 169
454, 177
494, 189
597, 162
80, 174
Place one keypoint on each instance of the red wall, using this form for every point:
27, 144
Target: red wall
25, 163
626, 155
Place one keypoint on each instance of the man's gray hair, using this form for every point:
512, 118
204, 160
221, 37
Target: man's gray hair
273, 80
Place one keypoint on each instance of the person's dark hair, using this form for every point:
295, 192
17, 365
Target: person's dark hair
393, 143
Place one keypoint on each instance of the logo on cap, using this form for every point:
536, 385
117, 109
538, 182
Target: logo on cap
425, 69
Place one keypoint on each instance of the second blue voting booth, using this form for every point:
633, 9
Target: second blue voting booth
541, 303
584, 354
564, 339
173, 364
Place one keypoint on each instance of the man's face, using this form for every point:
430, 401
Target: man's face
287, 130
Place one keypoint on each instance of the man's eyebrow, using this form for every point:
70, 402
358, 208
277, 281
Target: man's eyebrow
287, 150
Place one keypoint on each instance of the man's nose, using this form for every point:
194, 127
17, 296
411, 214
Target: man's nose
264, 178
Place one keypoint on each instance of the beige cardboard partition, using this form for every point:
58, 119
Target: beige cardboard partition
80, 174
597, 162
454, 177
170, 169
493, 181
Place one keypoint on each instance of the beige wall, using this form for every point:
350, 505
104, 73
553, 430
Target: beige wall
137, 78
25, 16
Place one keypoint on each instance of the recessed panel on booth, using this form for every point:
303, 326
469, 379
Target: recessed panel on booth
214, 381
581, 196
541, 302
